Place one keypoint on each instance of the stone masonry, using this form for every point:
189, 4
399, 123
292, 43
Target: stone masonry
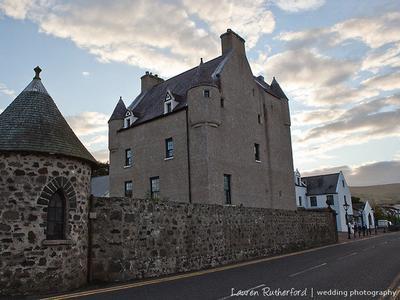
29, 263
134, 239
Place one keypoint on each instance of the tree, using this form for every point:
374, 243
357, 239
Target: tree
101, 169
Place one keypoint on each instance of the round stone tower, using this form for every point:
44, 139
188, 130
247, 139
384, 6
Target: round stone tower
44, 190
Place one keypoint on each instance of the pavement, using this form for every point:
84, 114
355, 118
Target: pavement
362, 269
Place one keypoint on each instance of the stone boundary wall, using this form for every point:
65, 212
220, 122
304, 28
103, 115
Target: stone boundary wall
134, 239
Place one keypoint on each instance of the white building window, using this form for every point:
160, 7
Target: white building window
300, 202
329, 199
313, 201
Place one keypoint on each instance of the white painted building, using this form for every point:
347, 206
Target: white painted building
316, 190
364, 215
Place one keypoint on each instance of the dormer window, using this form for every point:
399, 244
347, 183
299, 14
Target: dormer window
169, 102
129, 119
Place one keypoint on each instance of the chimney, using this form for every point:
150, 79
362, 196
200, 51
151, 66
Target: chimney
231, 40
149, 80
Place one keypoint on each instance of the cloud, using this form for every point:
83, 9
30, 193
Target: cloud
6, 91
373, 32
374, 173
386, 82
313, 78
87, 123
101, 155
316, 116
299, 5
86, 73
157, 35
377, 59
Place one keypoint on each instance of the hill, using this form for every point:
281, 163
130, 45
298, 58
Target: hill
378, 194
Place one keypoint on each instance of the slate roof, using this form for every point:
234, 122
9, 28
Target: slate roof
273, 89
119, 111
33, 123
149, 104
321, 184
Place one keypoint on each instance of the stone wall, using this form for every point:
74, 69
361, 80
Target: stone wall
28, 262
135, 239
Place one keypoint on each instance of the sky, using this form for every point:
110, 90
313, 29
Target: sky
337, 61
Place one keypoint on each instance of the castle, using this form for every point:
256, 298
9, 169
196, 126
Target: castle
212, 134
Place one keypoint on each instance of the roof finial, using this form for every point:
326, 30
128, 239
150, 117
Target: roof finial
201, 60
120, 97
37, 72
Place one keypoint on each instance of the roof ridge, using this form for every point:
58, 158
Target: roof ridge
321, 175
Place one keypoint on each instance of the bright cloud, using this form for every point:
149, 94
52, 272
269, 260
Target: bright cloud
140, 35
6, 91
86, 73
373, 173
87, 123
299, 5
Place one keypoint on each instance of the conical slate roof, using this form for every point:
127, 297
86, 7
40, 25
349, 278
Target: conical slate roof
119, 111
276, 88
33, 123
202, 76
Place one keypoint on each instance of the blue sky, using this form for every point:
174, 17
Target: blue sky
338, 61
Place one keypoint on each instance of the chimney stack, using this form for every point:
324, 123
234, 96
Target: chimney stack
149, 80
231, 40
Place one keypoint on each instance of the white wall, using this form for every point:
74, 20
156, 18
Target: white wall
301, 192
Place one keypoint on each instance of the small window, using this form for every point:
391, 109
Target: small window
155, 187
329, 199
127, 122
257, 152
253, 92
222, 102
56, 217
343, 183
206, 93
168, 107
169, 148
313, 201
128, 188
227, 189
300, 201
128, 157
259, 118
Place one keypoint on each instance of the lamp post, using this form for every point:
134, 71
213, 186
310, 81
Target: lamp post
346, 208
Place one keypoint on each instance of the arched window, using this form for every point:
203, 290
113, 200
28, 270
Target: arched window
56, 217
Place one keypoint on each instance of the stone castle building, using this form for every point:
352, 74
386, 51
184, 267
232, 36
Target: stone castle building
213, 134
44, 190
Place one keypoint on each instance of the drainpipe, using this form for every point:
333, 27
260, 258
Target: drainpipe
188, 154
89, 253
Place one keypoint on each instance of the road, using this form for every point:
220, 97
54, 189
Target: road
361, 267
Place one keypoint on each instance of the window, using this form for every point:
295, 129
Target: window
343, 183
56, 217
222, 102
128, 158
206, 93
313, 201
227, 189
329, 199
128, 188
169, 148
259, 118
127, 122
168, 107
155, 187
300, 202
257, 152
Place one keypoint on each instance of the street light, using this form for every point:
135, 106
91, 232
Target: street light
346, 208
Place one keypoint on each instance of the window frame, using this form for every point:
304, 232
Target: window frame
206, 93
155, 194
169, 152
330, 197
128, 159
126, 190
228, 189
60, 205
257, 156
300, 201
311, 201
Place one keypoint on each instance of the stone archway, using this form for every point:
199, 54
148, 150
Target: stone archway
53, 186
